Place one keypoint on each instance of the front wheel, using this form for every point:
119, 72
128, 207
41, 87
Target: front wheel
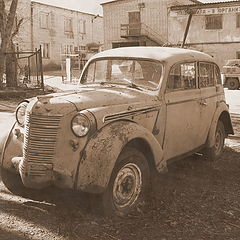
128, 183
216, 150
13, 183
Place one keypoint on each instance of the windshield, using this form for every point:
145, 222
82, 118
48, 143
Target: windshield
134, 72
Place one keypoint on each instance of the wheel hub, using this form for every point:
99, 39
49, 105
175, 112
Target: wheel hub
127, 185
218, 141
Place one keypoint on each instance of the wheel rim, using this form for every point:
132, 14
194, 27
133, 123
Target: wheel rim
127, 186
232, 84
218, 141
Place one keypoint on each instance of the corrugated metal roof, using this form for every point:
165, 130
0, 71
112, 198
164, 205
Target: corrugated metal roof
206, 4
194, 1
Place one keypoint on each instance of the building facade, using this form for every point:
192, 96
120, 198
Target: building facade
62, 32
137, 22
214, 28
59, 31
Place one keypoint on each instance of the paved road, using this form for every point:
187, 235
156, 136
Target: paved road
233, 99
6, 121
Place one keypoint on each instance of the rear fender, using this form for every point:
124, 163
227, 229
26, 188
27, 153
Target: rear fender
100, 154
222, 114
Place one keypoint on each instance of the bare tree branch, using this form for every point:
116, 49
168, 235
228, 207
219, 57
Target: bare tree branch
3, 17
10, 19
17, 28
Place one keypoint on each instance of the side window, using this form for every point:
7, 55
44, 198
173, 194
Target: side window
182, 76
206, 75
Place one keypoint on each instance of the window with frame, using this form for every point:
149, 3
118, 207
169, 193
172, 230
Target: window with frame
238, 54
213, 22
68, 49
206, 75
45, 50
238, 20
82, 48
67, 25
44, 20
182, 76
82, 26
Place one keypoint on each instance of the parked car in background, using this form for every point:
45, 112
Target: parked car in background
135, 110
231, 74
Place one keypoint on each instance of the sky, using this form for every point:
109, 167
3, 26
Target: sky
89, 6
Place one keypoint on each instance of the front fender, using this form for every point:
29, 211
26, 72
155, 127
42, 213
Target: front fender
221, 113
99, 156
12, 147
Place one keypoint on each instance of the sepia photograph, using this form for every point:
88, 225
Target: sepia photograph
119, 120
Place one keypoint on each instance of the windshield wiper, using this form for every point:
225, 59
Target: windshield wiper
133, 85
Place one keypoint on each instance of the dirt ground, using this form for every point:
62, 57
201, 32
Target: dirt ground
196, 200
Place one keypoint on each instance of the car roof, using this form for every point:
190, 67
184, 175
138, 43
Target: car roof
168, 54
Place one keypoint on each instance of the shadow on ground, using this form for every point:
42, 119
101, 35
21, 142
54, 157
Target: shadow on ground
196, 199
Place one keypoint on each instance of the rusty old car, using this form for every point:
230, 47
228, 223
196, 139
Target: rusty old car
135, 109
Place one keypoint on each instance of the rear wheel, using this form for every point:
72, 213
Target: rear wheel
233, 83
216, 150
128, 183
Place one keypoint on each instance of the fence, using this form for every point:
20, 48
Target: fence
29, 71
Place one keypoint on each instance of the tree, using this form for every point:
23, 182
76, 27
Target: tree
6, 32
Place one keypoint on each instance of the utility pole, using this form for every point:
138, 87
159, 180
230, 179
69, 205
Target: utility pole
190, 12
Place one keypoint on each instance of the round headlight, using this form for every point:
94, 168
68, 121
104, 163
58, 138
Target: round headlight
21, 112
80, 125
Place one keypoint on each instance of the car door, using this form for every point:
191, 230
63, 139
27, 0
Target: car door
211, 88
182, 98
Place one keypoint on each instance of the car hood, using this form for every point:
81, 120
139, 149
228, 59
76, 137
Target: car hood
95, 97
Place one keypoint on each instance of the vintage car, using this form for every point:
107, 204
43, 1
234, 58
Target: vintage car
135, 109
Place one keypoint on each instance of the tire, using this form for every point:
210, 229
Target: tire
232, 83
128, 184
14, 183
215, 152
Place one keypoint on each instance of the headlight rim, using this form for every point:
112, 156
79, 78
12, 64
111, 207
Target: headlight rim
17, 109
89, 122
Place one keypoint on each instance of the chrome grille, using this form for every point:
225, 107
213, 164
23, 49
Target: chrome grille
39, 143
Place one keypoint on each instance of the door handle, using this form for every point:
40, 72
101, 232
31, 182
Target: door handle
203, 102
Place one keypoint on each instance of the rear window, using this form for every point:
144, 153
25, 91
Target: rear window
206, 75
209, 75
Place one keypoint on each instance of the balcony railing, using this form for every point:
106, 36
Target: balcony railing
131, 30
142, 30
